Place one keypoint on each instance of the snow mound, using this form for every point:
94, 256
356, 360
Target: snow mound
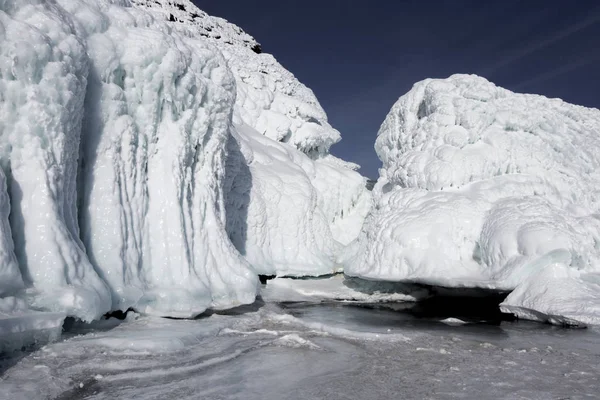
295, 341
280, 227
453, 321
558, 295
482, 187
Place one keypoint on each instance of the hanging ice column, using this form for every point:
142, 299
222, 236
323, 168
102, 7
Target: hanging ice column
158, 115
10, 276
43, 70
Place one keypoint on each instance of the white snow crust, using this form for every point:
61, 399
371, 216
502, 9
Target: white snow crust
482, 187
152, 158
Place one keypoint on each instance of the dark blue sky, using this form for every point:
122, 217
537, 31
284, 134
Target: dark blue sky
360, 56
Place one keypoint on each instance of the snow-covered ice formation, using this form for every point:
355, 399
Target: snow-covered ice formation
279, 228
153, 158
43, 86
482, 187
290, 204
294, 214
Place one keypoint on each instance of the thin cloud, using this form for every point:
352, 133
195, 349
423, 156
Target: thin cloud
557, 71
541, 44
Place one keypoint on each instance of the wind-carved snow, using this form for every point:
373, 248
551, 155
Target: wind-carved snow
154, 159
487, 188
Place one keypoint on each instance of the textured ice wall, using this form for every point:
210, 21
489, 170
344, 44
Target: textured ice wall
482, 187
269, 97
124, 168
43, 78
284, 209
158, 118
10, 276
271, 100
281, 227
156, 108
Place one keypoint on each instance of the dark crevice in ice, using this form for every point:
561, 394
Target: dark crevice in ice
467, 304
265, 278
118, 314
470, 305
305, 278
370, 184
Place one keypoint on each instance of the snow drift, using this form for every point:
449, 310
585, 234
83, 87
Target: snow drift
152, 158
482, 187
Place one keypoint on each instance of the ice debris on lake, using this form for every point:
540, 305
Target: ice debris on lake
152, 158
482, 187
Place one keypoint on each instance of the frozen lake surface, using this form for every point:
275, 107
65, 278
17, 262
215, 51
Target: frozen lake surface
307, 350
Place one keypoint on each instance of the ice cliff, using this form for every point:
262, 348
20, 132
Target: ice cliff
153, 157
482, 187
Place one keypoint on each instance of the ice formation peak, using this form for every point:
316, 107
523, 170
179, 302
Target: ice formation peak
269, 97
451, 132
188, 16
